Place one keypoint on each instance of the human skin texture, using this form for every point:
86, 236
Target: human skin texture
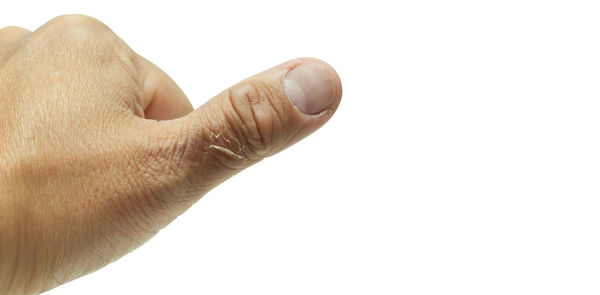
99, 149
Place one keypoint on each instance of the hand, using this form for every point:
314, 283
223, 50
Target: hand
99, 149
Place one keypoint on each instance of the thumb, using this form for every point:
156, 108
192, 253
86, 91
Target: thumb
254, 119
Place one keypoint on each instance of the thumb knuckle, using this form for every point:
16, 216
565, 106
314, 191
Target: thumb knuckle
256, 113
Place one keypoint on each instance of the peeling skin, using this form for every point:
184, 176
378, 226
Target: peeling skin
214, 136
227, 144
226, 151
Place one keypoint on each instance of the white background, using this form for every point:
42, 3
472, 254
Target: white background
464, 158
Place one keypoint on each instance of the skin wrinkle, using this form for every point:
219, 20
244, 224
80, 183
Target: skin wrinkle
253, 152
147, 171
237, 118
252, 101
162, 168
280, 115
